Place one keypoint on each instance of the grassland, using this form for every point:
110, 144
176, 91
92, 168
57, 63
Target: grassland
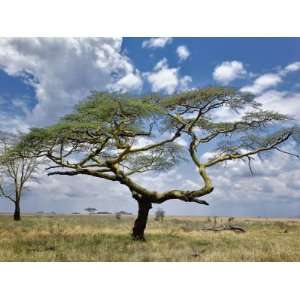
104, 238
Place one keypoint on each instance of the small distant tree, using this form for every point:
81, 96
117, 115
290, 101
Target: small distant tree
15, 172
118, 216
230, 220
159, 215
215, 221
90, 210
208, 220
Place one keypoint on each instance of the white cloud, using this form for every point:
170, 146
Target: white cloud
184, 82
183, 52
272, 191
167, 79
13, 124
293, 67
262, 83
279, 101
182, 141
285, 102
64, 70
164, 80
162, 64
229, 71
156, 42
64, 194
129, 82
282, 102
270, 80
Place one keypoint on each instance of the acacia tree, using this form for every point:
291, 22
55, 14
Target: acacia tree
15, 172
115, 137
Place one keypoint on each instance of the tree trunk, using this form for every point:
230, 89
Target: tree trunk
141, 220
17, 214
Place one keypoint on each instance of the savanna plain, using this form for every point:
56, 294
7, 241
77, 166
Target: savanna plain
107, 238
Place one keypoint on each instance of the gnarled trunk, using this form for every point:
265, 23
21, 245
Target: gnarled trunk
17, 213
141, 220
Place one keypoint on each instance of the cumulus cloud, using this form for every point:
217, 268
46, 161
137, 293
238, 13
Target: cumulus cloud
183, 52
270, 80
293, 67
68, 194
13, 124
167, 80
127, 83
63, 71
229, 71
282, 102
156, 42
272, 191
262, 83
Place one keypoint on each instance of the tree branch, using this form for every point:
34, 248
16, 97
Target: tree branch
256, 151
286, 152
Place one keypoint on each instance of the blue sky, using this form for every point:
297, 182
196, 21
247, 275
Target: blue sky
258, 54
42, 79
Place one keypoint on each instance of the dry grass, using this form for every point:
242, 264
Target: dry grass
104, 238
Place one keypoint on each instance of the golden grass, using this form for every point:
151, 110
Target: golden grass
104, 238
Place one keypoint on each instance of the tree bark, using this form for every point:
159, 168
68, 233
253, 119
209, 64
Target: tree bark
141, 220
17, 213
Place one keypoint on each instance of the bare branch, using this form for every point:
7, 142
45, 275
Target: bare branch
286, 152
225, 157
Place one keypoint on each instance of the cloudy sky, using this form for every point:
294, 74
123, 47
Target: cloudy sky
42, 78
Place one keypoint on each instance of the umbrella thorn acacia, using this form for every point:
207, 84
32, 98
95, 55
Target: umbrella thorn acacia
115, 137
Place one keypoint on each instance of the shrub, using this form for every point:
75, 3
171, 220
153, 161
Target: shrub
230, 219
159, 215
215, 221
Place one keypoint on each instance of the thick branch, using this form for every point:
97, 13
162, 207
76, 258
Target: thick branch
84, 172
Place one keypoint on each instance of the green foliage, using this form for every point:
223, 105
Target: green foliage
158, 159
107, 128
251, 142
198, 98
188, 105
104, 111
100, 115
249, 121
